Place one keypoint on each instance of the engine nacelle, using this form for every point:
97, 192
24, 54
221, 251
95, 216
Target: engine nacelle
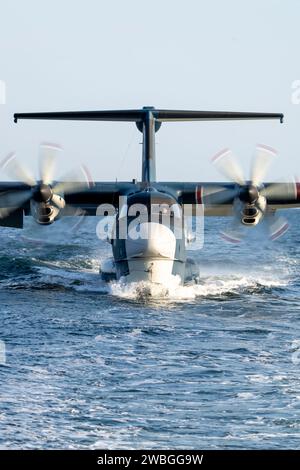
45, 213
253, 213
250, 214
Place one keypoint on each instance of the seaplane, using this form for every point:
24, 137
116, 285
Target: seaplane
147, 229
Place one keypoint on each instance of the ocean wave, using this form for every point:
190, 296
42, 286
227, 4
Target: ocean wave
207, 287
82, 275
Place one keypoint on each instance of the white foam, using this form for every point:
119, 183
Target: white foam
259, 378
210, 286
245, 395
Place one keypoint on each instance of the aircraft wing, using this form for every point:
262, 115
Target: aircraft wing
217, 198
15, 200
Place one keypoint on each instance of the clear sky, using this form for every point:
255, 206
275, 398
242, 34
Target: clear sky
193, 54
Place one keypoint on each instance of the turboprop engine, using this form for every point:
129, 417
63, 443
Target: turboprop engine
45, 197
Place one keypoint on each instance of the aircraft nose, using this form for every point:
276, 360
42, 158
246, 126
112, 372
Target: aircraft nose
151, 240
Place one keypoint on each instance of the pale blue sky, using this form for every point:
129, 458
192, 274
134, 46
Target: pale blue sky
194, 54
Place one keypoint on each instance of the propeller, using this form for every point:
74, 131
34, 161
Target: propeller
46, 196
251, 197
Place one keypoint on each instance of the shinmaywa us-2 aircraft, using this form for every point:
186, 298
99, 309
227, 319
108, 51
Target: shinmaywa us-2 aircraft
148, 235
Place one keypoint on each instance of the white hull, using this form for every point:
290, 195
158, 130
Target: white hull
158, 271
155, 256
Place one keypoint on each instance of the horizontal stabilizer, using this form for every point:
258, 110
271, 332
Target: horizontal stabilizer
139, 115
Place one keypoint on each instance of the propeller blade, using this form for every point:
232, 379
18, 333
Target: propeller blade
73, 182
263, 157
277, 226
234, 233
280, 191
47, 161
78, 212
10, 201
226, 163
72, 211
16, 171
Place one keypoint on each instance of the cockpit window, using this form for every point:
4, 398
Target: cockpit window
159, 213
